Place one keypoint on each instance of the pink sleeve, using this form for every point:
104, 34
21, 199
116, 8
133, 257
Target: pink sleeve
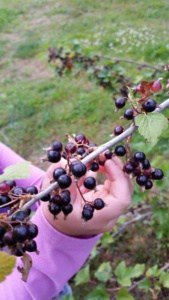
9, 157
60, 258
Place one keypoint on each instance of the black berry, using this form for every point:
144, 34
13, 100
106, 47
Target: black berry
94, 166
87, 214
139, 156
157, 174
78, 169
31, 190
120, 102
58, 172
120, 150
53, 156
129, 114
142, 180
57, 145
98, 203
64, 181
67, 209
118, 130
89, 183
20, 233
149, 105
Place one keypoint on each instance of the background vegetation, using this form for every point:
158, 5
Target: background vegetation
37, 106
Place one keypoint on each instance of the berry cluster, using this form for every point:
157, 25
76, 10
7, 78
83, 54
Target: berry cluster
74, 151
144, 104
16, 230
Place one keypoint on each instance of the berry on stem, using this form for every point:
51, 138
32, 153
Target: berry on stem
149, 105
90, 183
120, 102
120, 150
53, 156
129, 114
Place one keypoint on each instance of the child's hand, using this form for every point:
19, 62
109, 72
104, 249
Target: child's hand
116, 193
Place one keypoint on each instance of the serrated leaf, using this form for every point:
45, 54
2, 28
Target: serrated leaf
104, 272
123, 274
153, 271
7, 263
137, 270
83, 276
99, 293
151, 126
20, 170
164, 279
123, 294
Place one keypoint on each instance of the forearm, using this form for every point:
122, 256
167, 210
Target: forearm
59, 259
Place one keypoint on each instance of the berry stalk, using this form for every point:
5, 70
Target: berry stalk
115, 140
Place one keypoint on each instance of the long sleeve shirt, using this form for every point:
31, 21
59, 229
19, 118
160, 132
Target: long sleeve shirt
60, 257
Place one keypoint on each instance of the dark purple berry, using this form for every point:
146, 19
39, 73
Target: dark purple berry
20, 233
108, 154
31, 190
31, 246
81, 150
157, 174
118, 130
70, 148
21, 215
65, 197
53, 156
139, 156
19, 251
120, 102
80, 139
149, 105
56, 199
129, 167
18, 191
148, 185
67, 209
129, 114
45, 198
94, 166
64, 181
98, 203
4, 199
57, 146
87, 214
8, 238
120, 150
90, 183
32, 231
54, 208
142, 180
58, 172
78, 169
88, 206
146, 164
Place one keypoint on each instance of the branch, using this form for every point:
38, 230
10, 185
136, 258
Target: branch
139, 217
115, 140
140, 64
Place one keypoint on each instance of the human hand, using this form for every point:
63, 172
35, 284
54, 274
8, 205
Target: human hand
116, 193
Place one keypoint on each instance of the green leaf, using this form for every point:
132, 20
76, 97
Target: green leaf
99, 293
104, 272
137, 270
153, 271
164, 279
20, 170
83, 276
107, 239
145, 284
7, 263
123, 274
123, 294
151, 126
